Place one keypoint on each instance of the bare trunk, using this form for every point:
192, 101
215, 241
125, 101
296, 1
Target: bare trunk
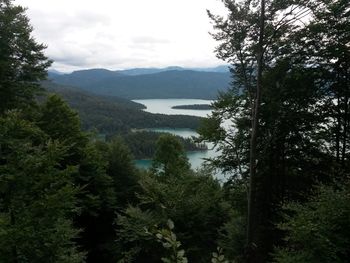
345, 129
253, 224
337, 133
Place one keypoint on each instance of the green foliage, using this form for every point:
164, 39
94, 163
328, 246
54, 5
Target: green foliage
170, 158
135, 243
167, 238
219, 257
232, 236
62, 123
113, 114
122, 171
303, 120
22, 59
317, 231
195, 204
37, 198
97, 197
143, 143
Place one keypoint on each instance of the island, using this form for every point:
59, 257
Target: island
193, 107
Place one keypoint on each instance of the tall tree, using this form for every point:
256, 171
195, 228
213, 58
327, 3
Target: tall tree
37, 198
170, 157
96, 198
22, 59
252, 40
326, 46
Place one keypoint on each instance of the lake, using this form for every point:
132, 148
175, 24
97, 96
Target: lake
164, 106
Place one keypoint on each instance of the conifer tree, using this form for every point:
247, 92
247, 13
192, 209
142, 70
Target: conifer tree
22, 59
38, 199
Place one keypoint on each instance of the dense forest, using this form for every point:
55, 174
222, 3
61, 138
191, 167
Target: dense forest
142, 144
67, 197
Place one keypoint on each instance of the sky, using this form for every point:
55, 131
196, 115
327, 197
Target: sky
122, 34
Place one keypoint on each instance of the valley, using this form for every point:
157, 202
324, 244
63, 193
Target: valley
140, 121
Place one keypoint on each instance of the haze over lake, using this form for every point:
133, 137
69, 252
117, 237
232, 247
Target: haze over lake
164, 106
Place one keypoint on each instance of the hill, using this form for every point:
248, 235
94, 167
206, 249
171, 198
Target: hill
112, 114
165, 84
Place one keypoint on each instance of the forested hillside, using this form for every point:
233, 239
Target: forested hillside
112, 114
66, 197
164, 84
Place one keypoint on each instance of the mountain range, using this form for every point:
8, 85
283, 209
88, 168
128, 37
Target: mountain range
149, 83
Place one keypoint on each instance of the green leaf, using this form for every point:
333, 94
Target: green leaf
170, 224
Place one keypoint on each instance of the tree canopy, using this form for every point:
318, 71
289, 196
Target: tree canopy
22, 60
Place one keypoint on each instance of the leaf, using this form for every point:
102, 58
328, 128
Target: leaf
170, 224
173, 236
180, 253
166, 260
167, 245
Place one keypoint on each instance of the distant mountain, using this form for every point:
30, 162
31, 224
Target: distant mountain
175, 83
83, 78
53, 71
222, 69
143, 71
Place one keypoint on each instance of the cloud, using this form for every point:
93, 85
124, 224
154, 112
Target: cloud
149, 40
124, 33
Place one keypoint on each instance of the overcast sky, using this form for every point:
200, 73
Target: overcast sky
120, 34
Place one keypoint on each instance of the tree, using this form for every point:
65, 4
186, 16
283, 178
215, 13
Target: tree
170, 158
97, 197
122, 170
37, 197
325, 46
22, 60
317, 231
62, 123
256, 39
193, 201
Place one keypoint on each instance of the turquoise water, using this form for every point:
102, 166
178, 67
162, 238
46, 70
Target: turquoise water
196, 158
143, 164
185, 133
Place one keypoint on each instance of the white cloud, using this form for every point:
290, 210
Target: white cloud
119, 34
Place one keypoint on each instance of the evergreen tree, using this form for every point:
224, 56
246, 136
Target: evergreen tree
22, 60
97, 197
37, 198
170, 158
317, 231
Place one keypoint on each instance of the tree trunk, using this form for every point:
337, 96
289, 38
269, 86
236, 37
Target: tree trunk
345, 130
337, 132
253, 248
